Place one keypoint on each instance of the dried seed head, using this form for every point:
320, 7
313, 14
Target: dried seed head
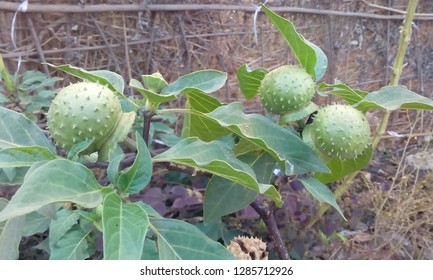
248, 248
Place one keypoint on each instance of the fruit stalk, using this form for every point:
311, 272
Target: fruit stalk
404, 40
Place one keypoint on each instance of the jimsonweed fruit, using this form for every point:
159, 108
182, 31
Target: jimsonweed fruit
286, 88
340, 131
83, 111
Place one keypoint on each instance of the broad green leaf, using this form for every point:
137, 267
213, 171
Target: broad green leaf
112, 78
136, 177
340, 168
24, 156
123, 127
221, 191
217, 158
72, 245
215, 230
293, 155
244, 146
298, 114
207, 81
250, 80
124, 227
113, 167
150, 95
321, 192
35, 223
10, 238
392, 98
178, 240
109, 79
154, 82
10, 235
66, 218
35, 80
321, 61
16, 179
234, 197
78, 148
54, 181
302, 50
17, 131
150, 251
197, 126
350, 95
151, 212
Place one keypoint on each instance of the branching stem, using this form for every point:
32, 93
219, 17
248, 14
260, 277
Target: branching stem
404, 40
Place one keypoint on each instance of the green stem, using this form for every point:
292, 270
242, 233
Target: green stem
404, 40
6, 76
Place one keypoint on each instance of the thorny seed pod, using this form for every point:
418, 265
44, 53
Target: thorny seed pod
286, 88
341, 131
83, 111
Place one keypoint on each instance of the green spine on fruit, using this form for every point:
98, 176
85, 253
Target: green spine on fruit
340, 131
286, 88
83, 111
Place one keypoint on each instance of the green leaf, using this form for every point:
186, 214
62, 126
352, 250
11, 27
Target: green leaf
250, 80
150, 251
234, 197
217, 158
54, 181
109, 79
298, 114
340, 168
196, 125
321, 61
125, 227
392, 98
151, 212
17, 131
35, 223
78, 148
305, 54
123, 127
112, 78
207, 81
24, 156
350, 95
293, 155
321, 192
113, 167
16, 179
178, 240
136, 177
150, 95
10, 235
154, 82
66, 218
72, 245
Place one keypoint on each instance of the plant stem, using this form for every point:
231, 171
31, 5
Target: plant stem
6, 76
404, 40
268, 218
147, 116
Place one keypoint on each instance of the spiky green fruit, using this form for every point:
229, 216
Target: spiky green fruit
286, 88
340, 131
83, 111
